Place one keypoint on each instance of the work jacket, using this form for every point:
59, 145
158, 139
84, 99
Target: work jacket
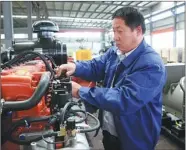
135, 100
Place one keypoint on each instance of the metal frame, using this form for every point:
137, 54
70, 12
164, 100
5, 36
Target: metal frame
99, 10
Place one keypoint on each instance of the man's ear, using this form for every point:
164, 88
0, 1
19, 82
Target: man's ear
139, 30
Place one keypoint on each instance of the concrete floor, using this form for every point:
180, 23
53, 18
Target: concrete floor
95, 143
164, 142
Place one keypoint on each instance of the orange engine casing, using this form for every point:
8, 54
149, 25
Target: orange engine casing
18, 83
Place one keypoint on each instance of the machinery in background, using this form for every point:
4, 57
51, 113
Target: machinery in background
83, 54
104, 50
37, 110
173, 121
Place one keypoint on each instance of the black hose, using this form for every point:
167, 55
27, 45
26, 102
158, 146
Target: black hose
28, 142
21, 55
77, 111
52, 61
65, 108
91, 129
26, 58
14, 60
23, 122
33, 100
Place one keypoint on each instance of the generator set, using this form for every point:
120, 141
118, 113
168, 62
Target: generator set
37, 108
173, 114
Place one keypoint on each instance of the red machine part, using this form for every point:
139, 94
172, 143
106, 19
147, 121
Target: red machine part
19, 83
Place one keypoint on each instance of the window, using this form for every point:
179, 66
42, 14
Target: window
180, 38
162, 40
147, 39
162, 16
180, 10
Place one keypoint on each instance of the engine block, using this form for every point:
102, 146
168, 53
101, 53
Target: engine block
19, 83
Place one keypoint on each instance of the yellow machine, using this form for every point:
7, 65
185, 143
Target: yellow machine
83, 54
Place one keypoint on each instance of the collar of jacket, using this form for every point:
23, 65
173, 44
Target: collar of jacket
135, 54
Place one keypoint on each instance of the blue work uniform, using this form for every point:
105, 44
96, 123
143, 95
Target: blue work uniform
135, 100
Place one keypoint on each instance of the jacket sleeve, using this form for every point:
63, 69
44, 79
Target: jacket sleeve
137, 90
92, 70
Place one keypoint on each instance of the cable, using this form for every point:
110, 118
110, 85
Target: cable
52, 61
26, 58
91, 129
12, 61
64, 110
59, 142
23, 122
23, 54
28, 142
76, 111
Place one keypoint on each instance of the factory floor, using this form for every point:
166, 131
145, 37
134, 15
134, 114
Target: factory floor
95, 143
164, 142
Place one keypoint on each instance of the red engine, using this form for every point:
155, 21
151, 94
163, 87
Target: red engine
21, 83
18, 84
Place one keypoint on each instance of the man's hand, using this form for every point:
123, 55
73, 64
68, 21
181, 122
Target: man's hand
68, 68
75, 89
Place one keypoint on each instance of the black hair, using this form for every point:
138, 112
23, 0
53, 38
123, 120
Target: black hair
132, 17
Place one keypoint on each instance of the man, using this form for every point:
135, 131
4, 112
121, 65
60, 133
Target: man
134, 76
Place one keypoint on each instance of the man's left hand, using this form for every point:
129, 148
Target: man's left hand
75, 89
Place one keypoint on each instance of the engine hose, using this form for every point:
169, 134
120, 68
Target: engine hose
26, 58
91, 129
77, 111
52, 61
21, 55
24, 122
64, 110
31, 57
9, 63
14, 60
40, 91
28, 142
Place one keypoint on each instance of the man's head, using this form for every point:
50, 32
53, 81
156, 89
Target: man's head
128, 26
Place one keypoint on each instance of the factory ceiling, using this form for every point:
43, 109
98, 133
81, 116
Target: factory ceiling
73, 14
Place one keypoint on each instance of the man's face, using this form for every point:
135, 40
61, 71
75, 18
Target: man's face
125, 38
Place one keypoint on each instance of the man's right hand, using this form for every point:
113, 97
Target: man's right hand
69, 69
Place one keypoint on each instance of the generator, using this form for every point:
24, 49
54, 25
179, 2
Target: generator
37, 108
173, 116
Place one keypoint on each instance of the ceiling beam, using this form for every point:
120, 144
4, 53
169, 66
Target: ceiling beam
108, 4
79, 11
110, 13
86, 10
61, 22
45, 9
51, 10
